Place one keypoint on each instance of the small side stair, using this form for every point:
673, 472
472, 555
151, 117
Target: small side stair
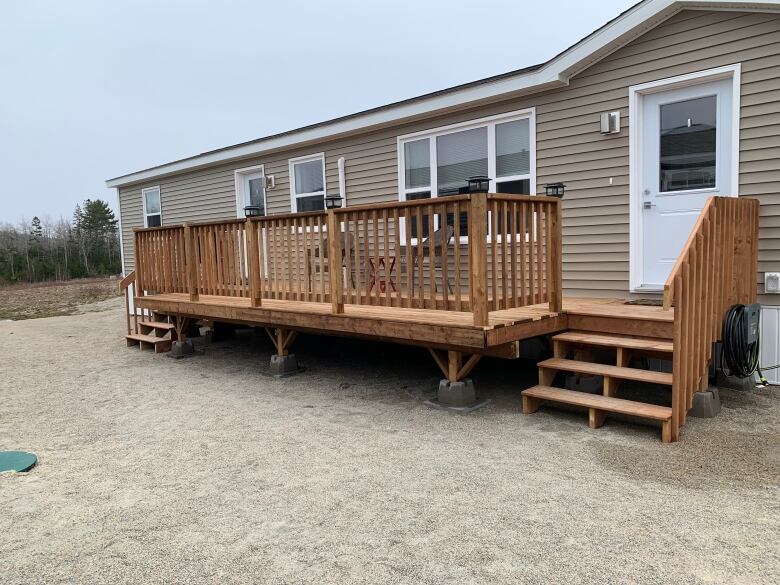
582, 345
152, 334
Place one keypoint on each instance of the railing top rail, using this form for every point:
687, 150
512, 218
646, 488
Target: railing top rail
127, 280
277, 216
160, 228
512, 197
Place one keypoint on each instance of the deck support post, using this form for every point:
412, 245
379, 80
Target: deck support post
283, 363
191, 266
456, 392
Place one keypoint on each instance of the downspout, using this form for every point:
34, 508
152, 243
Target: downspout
342, 181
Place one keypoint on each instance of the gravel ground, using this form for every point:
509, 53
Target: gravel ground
203, 470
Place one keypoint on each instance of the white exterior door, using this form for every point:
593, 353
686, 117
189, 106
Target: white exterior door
686, 145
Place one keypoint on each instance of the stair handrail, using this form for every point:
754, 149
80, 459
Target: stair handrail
716, 269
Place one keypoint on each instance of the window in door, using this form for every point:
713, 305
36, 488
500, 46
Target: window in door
152, 207
688, 144
307, 183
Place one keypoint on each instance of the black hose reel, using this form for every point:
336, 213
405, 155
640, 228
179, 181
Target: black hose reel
740, 343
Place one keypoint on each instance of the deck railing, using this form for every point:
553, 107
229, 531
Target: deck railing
471, 253
716, 269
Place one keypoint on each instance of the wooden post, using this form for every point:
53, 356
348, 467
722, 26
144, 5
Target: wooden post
334, 262
189, 260
254, 268
554, 258
478, 218
453, 365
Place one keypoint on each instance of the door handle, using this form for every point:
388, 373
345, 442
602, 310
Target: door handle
648, 204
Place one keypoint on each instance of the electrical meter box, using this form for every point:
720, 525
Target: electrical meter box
752, 318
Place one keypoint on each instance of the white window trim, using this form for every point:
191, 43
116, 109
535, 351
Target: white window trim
143, 201
303, 159
490, 123
239, 176
635, 95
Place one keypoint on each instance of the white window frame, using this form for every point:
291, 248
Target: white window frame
490, 123
304, 159
143, 201
239, 177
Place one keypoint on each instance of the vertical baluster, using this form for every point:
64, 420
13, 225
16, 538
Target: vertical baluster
432, 287
456, 252
377, 290
493, 209
505, 237
397, 240
386, 254
445, 281
409, 262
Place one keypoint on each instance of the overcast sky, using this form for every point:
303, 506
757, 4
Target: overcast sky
95, 89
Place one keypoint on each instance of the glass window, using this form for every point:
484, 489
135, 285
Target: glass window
256, 193
688, 144
460, 155
499, 149
513, 154
308, 184
152, 207
417, 164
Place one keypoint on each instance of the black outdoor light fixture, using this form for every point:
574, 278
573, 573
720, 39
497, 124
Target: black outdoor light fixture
253, 211
332, 201
555, 189
479, 184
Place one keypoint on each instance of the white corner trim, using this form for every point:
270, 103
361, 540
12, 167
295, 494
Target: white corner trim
302, 159
635, 93
238, 180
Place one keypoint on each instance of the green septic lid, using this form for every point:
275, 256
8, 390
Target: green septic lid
17, 461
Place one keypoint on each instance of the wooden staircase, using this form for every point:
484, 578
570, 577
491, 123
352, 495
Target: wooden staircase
583, 344
152, 334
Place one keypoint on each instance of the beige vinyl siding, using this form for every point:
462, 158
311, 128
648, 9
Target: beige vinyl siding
569, 146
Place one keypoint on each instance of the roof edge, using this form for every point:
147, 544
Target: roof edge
554, 73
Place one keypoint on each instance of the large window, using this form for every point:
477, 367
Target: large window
439, 162
307, 183
152, 207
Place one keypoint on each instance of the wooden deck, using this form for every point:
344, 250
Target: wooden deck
464, 277
428, 327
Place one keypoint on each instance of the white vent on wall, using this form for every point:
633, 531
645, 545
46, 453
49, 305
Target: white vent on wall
772, 282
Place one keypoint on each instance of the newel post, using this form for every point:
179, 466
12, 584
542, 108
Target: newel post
554, 258
478, 219
255, 277
189, 262
334, 262
138, 257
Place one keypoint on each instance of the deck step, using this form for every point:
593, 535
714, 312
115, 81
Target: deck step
617, 372
158, 325
600, 340
608, 403
598, 406
159, 344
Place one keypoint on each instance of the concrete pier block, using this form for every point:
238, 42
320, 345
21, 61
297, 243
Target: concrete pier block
284, 365
460, 397
706, 404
